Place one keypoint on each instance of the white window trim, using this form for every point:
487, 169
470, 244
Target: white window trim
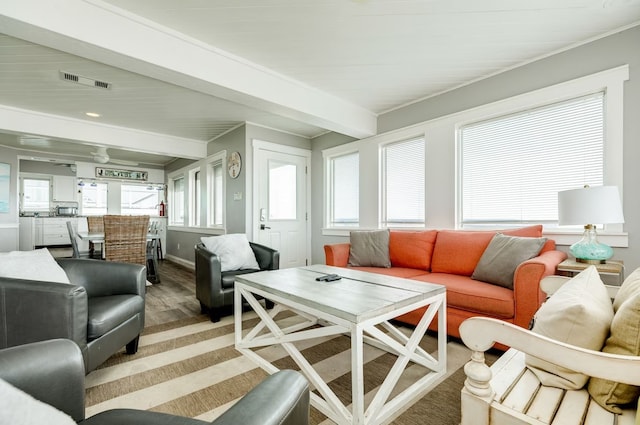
327, 189
194, 215
188, 172
382, 203
170, 188
220, 157
441, 142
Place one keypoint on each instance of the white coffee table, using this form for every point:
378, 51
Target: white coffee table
359, 305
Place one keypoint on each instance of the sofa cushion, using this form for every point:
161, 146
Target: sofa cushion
229, 278
503, 255
107, 313
403, 272
474, 296
623, 339
369, 248
579, 313
458, 251
412, 249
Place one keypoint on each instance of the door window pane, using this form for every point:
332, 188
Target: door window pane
282, 191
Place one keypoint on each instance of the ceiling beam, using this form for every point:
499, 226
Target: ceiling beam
101, 32
21, 121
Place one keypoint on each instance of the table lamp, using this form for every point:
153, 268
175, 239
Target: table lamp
601, 205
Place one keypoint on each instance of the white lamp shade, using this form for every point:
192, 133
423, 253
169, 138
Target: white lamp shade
590, 205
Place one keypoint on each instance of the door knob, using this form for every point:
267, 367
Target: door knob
262, 227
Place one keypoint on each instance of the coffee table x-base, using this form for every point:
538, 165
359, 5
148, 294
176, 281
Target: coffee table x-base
359, 305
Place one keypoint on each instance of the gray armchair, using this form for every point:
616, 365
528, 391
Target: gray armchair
214, 288
53, 372
101, 311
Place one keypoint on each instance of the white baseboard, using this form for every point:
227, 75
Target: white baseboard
188, 264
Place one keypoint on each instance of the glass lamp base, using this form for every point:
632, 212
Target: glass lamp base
589, 250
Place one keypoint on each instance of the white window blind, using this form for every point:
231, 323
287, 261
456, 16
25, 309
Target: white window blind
344, 190
403, 184
514, 166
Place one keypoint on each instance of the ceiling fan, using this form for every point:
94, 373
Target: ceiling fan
102, 157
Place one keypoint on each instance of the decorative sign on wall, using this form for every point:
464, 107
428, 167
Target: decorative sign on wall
112, 173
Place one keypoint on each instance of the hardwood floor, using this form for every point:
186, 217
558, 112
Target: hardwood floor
174, 298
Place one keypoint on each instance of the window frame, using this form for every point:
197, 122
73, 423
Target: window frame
442, 169
329, 212
219, 159
171, 180
35, 176
384, 221
195, 197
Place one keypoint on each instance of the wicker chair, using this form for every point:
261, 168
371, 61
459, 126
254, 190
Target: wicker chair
125, 238
95, 224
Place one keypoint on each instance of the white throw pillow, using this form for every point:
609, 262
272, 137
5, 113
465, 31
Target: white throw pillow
38, 264
234, 251
580, 314
20, 408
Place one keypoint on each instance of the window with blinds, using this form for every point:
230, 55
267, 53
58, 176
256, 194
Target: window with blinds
344, 192
216, 204
403, 174
513, 167
177, 201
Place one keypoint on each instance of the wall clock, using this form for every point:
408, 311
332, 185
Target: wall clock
234, 165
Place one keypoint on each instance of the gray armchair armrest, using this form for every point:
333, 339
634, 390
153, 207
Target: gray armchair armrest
281, 399
35, 311
102, 278
267, 258
50, 371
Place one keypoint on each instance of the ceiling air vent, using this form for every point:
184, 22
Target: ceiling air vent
79, 79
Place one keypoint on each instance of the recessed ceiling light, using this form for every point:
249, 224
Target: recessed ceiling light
92, 114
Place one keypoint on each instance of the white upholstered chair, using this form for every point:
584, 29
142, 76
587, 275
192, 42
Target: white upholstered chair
509, 393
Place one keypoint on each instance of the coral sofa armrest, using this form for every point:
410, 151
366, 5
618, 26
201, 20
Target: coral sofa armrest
32, 310
104, 278
51, 371
267, 258
281, 399
337, 254
526, 284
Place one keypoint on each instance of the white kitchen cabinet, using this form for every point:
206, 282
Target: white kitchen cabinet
27, 234
64, 189
51, 231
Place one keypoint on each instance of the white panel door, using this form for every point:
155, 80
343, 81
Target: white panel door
281, 210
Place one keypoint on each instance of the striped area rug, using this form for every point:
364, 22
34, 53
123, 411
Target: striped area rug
190, 368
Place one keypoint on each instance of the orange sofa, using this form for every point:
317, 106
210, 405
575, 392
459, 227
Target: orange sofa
449, 257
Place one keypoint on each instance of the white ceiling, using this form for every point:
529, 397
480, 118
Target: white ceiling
184, 72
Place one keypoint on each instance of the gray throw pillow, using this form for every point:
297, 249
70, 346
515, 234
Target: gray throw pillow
503, 255
369, 248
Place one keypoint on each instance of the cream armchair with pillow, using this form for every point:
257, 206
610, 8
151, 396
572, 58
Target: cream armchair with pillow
219, 259
579, 364
97, 304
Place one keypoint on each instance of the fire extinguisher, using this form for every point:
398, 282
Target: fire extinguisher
162, 211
